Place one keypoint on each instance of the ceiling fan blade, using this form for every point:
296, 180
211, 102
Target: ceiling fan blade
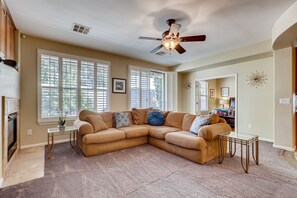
156, 49
150, 38
193, 38
180, 49
174, 28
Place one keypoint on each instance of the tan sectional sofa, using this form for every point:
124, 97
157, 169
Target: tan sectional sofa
173, 136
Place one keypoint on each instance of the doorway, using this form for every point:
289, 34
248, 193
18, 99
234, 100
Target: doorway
217, 95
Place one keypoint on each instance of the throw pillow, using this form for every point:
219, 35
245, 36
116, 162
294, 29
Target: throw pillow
155, 118
97, 122
199, 122
122, 119
139, 115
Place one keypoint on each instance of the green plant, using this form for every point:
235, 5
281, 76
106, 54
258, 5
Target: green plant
62, 119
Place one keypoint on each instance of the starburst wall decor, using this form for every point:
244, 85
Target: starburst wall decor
257, 79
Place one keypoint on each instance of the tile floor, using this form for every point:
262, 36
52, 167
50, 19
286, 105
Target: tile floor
27, 165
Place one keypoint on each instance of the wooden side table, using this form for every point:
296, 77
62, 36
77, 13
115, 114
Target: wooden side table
244, 139
51, 132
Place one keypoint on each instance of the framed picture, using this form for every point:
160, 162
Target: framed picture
118, 85
225, 91
212, 93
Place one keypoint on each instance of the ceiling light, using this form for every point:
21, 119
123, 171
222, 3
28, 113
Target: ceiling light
170, 43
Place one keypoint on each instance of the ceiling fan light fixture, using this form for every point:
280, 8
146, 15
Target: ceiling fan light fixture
170, 43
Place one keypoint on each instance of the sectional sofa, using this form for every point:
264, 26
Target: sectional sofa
173, 136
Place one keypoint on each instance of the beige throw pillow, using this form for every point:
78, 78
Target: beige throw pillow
97, 122
139, 115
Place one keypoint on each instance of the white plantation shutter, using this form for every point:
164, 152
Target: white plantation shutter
49, 85
147, 88
171, 91
87, 85
69, 84
157, 90
102, 87
203, 95
134, 88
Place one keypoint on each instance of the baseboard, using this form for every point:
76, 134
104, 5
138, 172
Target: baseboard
284, 147
43, 144
266, 140
1, 182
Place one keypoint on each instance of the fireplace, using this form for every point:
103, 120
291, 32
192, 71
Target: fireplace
12, 134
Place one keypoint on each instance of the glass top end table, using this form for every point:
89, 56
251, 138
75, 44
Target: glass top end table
244, 139
71, 130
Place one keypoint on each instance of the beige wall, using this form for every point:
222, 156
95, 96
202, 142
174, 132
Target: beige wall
255, 106
119, 69
212, 102
225, 82
284, 120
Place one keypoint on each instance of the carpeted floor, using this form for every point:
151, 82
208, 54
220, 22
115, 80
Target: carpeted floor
146, 171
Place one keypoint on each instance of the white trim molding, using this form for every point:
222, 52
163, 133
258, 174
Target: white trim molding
1, 182
43, 144
284, 147
266, 140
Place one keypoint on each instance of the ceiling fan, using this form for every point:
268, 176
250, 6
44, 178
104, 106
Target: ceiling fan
171, 39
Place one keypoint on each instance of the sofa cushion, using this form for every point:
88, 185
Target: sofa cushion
186, 139
135, 131
214, 118
155, 118
160, 131
164, 113
107, 135
97, 122
139, 115
188, 121
107, 118
122, 120
84, 113
174, 119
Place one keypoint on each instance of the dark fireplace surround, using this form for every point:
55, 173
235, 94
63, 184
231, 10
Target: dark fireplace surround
12, 134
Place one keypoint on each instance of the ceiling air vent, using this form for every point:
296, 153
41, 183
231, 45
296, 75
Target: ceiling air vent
80, 28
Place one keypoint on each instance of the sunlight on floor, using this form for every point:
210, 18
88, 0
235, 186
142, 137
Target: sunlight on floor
28, 165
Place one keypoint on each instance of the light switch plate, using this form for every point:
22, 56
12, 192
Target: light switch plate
284, 101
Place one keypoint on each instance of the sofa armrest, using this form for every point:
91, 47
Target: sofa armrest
83, 127
222, 120
210, 132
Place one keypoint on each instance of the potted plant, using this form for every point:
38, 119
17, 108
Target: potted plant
62, 120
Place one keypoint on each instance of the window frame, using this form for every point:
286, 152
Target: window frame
206, 96
131, 67
44, 121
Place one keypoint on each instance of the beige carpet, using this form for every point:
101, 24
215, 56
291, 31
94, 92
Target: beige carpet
146, 171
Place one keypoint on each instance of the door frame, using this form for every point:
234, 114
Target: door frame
235, 75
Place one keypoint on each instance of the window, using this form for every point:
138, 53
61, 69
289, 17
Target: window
147, 88
203, 95
69, 83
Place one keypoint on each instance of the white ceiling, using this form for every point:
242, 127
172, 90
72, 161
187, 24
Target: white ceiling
117, 24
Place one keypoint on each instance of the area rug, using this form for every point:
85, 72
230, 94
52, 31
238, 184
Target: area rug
146, 171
